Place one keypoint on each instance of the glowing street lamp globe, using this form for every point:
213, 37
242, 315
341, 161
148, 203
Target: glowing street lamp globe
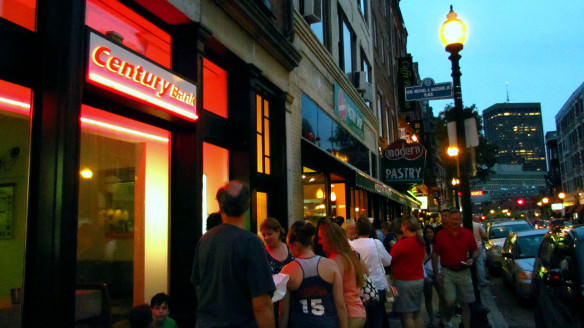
453, 31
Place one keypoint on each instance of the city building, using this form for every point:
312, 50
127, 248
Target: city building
122, 118
506, 184
570, 135
553, 176
335, 118
517, 130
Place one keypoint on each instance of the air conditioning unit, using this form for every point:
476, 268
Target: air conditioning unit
368, 93
359, 80
312, 11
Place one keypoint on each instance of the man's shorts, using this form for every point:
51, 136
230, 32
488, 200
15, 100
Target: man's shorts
457, 285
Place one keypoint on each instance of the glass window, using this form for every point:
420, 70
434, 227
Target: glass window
380, 114
263, 135
120, 23
338, 197
363, 8
345, 45
261, 210
215, 175
359, 203
15, 112
21, 12
214, 88
313, 185
123, 224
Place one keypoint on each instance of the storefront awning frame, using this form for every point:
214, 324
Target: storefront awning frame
314, 156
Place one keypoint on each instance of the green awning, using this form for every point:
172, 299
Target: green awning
372, 185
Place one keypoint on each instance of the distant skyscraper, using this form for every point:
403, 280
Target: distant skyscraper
517, 129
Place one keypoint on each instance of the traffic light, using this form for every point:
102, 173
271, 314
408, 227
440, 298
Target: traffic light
520, 201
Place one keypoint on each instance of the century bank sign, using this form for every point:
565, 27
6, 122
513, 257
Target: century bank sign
403, 162
124, 72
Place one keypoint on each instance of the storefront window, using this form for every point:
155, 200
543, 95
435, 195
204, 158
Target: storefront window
21, 12
338, 199
123, 224
263, 134
313, 184
214, 89
261, 210
322, 130
124, 26
15, 111
215, 175
359, 203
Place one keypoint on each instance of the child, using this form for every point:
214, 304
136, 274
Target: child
159, 305
140, 317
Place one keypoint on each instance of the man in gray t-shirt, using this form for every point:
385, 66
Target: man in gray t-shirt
230, 269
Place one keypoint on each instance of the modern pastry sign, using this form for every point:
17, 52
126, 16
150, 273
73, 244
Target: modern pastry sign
121, 71
403, 162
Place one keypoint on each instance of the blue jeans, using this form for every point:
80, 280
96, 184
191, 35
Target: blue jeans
480, 265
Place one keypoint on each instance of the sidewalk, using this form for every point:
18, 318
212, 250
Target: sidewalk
495, 317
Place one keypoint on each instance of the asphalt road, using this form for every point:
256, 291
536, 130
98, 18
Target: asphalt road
517, 314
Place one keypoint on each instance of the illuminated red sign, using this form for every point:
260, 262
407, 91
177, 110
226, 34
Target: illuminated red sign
121, 71
477, 193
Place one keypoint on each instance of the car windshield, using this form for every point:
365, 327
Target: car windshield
504, 230
527, 246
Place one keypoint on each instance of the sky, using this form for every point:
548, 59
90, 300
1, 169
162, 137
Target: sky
532, 48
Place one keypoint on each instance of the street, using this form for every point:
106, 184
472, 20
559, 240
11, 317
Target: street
517, 314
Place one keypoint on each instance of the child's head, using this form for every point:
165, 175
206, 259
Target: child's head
159, 305
141, 316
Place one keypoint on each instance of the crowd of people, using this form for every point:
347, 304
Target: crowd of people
331, 264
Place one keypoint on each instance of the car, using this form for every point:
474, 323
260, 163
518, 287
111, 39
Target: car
541, 224
558, 278
497, 232
519, 252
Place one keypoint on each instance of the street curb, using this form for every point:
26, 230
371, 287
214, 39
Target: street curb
496, 319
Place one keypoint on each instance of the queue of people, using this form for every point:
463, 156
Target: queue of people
328, 264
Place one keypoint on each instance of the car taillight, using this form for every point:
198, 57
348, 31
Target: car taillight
525, 275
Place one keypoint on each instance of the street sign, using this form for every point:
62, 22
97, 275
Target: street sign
429, 90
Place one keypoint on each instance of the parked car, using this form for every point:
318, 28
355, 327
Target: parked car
558, 279
497, 232
541, 224
519, 252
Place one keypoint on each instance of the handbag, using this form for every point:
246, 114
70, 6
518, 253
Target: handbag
369, 293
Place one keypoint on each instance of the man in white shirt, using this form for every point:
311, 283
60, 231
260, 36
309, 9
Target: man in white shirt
480, 234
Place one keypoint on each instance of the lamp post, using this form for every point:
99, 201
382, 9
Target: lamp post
453, 34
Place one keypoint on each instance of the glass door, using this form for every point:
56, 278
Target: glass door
123, 224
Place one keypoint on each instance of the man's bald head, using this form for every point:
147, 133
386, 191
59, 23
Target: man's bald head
233, 198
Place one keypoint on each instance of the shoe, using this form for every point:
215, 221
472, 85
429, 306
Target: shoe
485, 284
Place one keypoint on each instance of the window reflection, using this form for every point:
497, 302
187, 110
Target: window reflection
313, 185
323, 131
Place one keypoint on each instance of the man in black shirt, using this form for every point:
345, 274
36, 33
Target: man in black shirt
230, 269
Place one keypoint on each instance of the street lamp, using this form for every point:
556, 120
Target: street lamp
453, 34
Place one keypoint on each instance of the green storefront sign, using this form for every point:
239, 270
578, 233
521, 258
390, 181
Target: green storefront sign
348, 112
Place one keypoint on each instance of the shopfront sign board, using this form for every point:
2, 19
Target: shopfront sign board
348, 112
429, 91
403, 162
120, 70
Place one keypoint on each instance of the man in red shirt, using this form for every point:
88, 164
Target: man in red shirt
457, 250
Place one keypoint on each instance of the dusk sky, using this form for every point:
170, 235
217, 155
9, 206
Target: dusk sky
536, 47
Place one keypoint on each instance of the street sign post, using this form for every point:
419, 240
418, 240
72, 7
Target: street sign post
429, 91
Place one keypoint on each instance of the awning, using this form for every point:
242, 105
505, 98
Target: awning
312, 155
373, 185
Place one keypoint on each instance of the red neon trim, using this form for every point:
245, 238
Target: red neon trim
121, 88
15, 106
113, 127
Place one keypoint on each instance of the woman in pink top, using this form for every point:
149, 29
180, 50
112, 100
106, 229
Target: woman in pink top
335, 245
